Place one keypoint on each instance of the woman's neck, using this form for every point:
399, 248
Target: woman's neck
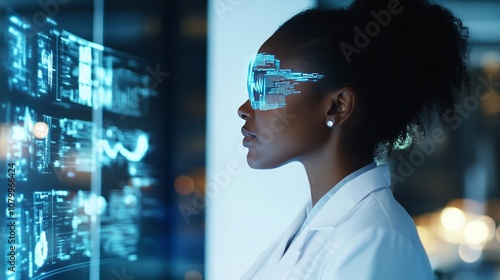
329, 165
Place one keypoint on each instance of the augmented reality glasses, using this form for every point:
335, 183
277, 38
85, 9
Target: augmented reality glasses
268, 85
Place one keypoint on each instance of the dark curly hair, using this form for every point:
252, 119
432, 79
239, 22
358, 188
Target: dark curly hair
407, 60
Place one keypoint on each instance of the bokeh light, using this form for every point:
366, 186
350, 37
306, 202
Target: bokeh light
184, 185
476, 232
452, 218
193, 275
468, 254
40, 130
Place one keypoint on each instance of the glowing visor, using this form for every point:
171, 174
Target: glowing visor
268, 85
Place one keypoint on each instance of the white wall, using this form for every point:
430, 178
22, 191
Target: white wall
246, 209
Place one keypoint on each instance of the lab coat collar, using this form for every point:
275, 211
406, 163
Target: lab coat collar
348, 196
334, 211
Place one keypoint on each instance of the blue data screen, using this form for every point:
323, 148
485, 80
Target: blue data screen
66, 175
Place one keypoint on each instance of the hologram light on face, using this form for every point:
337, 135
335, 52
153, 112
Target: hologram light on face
268, 85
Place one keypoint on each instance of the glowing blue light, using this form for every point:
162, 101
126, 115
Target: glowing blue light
18, 133
140, 151
94, 205
41, 249
132, 170
130, 199
268, 84
14, 20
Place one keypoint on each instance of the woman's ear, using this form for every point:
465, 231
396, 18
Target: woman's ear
340, 104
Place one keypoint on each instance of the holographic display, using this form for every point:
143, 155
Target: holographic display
268, 84
51, 82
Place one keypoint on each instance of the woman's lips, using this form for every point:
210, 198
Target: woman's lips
248, 137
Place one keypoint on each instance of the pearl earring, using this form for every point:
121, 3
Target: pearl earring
330, 123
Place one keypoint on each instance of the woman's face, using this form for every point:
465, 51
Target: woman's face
276, 137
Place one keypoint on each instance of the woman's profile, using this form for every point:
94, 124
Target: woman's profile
356, 82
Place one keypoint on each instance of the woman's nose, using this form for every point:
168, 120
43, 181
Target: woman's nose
245, 111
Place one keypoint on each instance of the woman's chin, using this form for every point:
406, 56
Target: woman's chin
255, 165
257, 162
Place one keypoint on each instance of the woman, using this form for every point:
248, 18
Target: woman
353, 84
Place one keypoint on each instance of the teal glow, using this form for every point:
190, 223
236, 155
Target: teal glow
140, 151
402, 144
268, 84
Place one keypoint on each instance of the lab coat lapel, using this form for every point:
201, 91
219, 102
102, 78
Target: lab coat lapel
291, 256
333, 212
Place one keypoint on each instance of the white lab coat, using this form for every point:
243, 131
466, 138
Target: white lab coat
361, 233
